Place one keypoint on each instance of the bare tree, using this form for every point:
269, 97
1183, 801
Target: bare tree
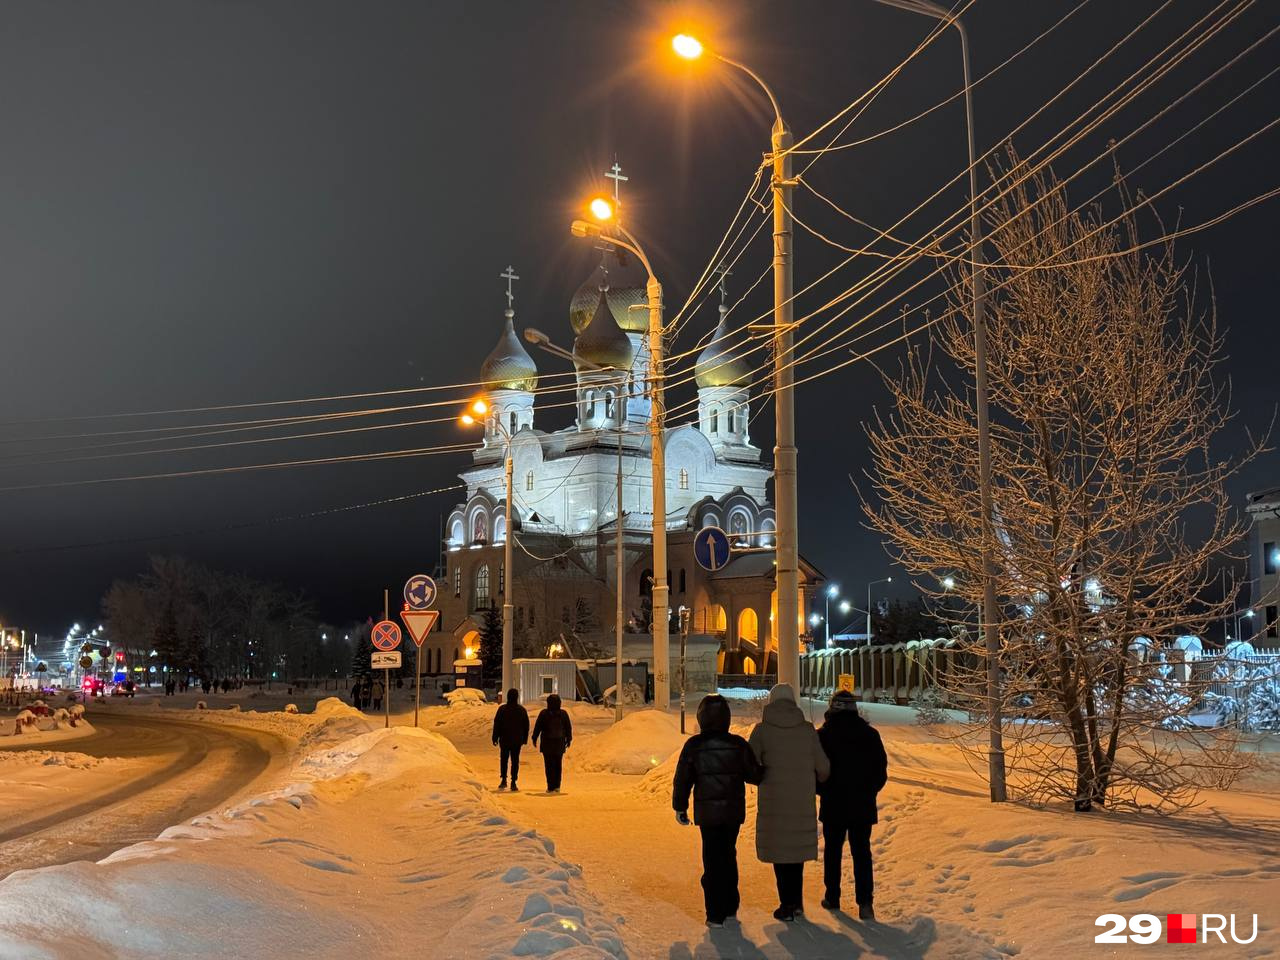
1109, 504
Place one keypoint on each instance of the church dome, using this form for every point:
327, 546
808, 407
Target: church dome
583, 304
602, 342
624, 285
509, 366
721, 363
621, 300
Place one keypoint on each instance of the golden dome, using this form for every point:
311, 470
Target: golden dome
509, 366
721, 363
602, 342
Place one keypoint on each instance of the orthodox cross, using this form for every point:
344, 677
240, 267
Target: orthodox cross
724, 271
509, 275
614, 173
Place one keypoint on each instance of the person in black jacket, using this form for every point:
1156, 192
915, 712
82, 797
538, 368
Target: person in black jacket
859, 770
510, 733
556, 732
715, 765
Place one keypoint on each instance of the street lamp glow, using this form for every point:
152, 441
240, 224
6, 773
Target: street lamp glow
601, 209
467, 420
814, 619
833, 590
690, 48
480, 408
844, 606
948, 583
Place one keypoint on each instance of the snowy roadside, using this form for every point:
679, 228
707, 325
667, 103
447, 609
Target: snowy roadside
47, 731
382, 843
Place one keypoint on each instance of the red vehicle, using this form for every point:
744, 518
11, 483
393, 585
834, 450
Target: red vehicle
93, 686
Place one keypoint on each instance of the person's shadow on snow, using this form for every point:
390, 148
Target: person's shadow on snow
808, 941
725, 943
893, 943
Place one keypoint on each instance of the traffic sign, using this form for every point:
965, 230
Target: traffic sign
419, 592
711, 548
385, 661
420, 623
386, 635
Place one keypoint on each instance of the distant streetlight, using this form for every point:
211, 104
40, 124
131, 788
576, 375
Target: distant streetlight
948, 583
833, 591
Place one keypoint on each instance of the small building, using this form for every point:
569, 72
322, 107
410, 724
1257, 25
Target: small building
1264, 563
468, 673
537, 679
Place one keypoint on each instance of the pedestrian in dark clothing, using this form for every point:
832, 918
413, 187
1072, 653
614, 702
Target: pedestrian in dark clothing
715, 765
859, 770
556, 732
510, 733
787, 747
355, 694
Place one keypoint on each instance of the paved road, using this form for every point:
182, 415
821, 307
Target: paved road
194, 767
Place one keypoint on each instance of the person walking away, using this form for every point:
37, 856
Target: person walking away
859, 770
556, 732
378, 692
510, 733
788, 748
715, 765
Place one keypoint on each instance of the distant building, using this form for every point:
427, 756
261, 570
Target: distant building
564, 503
1264, 560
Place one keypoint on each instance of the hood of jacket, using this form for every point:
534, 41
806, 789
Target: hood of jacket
713, 714
513, 695
783, 713
782, 691
845, 724
553, 702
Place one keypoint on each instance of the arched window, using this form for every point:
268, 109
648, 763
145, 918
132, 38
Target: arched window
513, 423
482, 588
591, 404
731, 418
684, 479
499, 528
715, 421
502, 579
608, 404
455, 533
749, 626
457, 580
528, 480
646, 583
766, 532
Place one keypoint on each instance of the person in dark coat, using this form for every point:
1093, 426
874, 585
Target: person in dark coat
556, 732
715, 765
510, 733
859, 770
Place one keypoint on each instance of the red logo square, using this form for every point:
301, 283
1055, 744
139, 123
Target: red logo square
1182, 927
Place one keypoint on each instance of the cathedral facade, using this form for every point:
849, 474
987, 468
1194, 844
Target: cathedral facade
565, 505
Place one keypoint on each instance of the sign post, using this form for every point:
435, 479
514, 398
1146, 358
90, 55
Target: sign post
419, 624
385, 638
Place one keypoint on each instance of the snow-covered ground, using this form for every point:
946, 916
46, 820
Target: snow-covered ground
395, 843
45, 731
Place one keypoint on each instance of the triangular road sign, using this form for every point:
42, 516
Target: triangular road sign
420, 623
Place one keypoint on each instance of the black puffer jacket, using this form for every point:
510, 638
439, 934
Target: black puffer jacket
553, 728
715, 764
511, 722
859, 768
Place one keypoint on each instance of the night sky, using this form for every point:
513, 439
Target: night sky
222, 203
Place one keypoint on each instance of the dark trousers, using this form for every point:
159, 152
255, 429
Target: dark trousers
790, 877
833, 837
506, 753
552, 763
720, 870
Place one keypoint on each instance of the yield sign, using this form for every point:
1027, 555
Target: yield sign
420, 623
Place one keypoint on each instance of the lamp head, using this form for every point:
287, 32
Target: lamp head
601, 209
580, 228
479, 407
467, 420
833, 590
687, 47
844, 606
536, 336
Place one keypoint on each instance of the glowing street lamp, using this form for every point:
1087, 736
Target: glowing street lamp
686, 46
833, 591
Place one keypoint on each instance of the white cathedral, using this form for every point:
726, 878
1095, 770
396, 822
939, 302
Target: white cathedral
565, 450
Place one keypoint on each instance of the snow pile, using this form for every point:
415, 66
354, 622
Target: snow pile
332, 722
27, 728
640, 742
466, 697
387, 826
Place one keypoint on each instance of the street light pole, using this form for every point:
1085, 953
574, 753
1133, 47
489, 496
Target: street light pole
990, 612
869, 586
787, 576
621, 237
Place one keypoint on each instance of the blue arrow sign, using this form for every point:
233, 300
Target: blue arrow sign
711, 548
419, 592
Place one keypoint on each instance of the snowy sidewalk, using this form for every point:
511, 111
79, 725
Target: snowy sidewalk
381, 846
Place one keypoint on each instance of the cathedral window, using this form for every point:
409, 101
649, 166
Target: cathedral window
528, 480
684, 479
513, 423
482, 588
502, 579
457, 580
731, 418
715, 421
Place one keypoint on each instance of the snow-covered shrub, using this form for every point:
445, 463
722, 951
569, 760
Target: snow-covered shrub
632, 695
465, 697
1160, 700
290, 708
1262, 704
201, 705
929, 710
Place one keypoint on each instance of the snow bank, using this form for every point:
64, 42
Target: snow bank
45, 730
383, 844
640, 742
466, 697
